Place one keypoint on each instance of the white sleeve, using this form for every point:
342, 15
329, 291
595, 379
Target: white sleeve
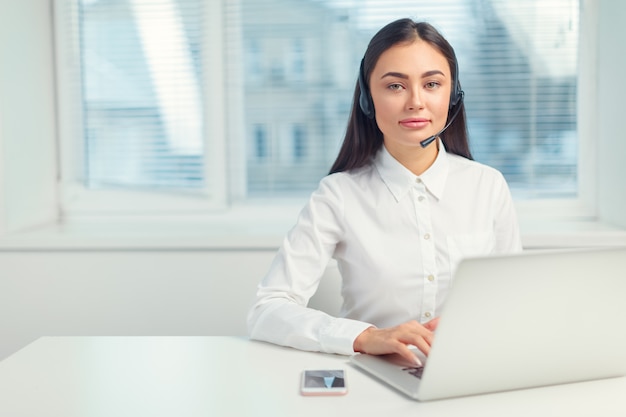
280, 314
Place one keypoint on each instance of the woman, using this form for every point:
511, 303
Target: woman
402, 205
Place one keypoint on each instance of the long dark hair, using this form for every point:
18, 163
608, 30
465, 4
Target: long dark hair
363, 137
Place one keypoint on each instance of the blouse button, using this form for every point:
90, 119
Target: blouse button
427, 314
421, 198
427, 236
431, 278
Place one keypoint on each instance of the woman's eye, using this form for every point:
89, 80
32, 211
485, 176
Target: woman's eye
431, 85
395, 87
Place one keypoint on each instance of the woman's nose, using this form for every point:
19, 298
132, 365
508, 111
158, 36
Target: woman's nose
414, 100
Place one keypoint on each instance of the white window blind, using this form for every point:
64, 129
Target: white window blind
290, 68
141, 90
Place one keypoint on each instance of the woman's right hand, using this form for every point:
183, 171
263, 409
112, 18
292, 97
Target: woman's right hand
397, 339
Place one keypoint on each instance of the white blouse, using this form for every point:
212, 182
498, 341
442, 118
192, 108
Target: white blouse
397, 239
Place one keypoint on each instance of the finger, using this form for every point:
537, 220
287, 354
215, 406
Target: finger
423, 329
417, 335
432, 325
420, 341
410, 356
423, 346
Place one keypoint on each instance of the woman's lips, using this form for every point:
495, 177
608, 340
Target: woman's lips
414, 123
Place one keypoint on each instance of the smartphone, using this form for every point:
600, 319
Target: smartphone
323, 382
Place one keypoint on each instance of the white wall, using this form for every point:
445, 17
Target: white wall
611, 67
82, 293
27, 115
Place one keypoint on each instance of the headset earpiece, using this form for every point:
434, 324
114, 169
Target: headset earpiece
456, 94
365, 99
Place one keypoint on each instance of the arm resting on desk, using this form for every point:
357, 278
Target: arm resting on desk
285, 323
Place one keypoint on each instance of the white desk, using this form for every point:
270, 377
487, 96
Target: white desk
228, 376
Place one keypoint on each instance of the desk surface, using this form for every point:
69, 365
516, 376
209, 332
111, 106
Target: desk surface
229, 376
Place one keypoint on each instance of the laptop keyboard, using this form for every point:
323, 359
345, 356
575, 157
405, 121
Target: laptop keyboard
415, 371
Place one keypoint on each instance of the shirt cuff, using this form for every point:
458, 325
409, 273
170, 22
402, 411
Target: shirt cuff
339, 335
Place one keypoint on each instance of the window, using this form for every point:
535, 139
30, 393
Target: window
141, 90
223, 103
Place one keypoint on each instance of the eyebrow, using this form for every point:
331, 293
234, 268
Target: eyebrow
404, 76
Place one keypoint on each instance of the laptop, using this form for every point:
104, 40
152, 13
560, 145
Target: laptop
520, 321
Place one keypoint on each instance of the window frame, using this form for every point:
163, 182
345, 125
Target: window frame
76, 199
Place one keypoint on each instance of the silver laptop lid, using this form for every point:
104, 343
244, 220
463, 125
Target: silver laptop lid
530, 320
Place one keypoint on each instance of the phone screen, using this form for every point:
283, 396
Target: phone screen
324, 382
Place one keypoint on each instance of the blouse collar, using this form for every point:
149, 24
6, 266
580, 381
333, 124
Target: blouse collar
399, 179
